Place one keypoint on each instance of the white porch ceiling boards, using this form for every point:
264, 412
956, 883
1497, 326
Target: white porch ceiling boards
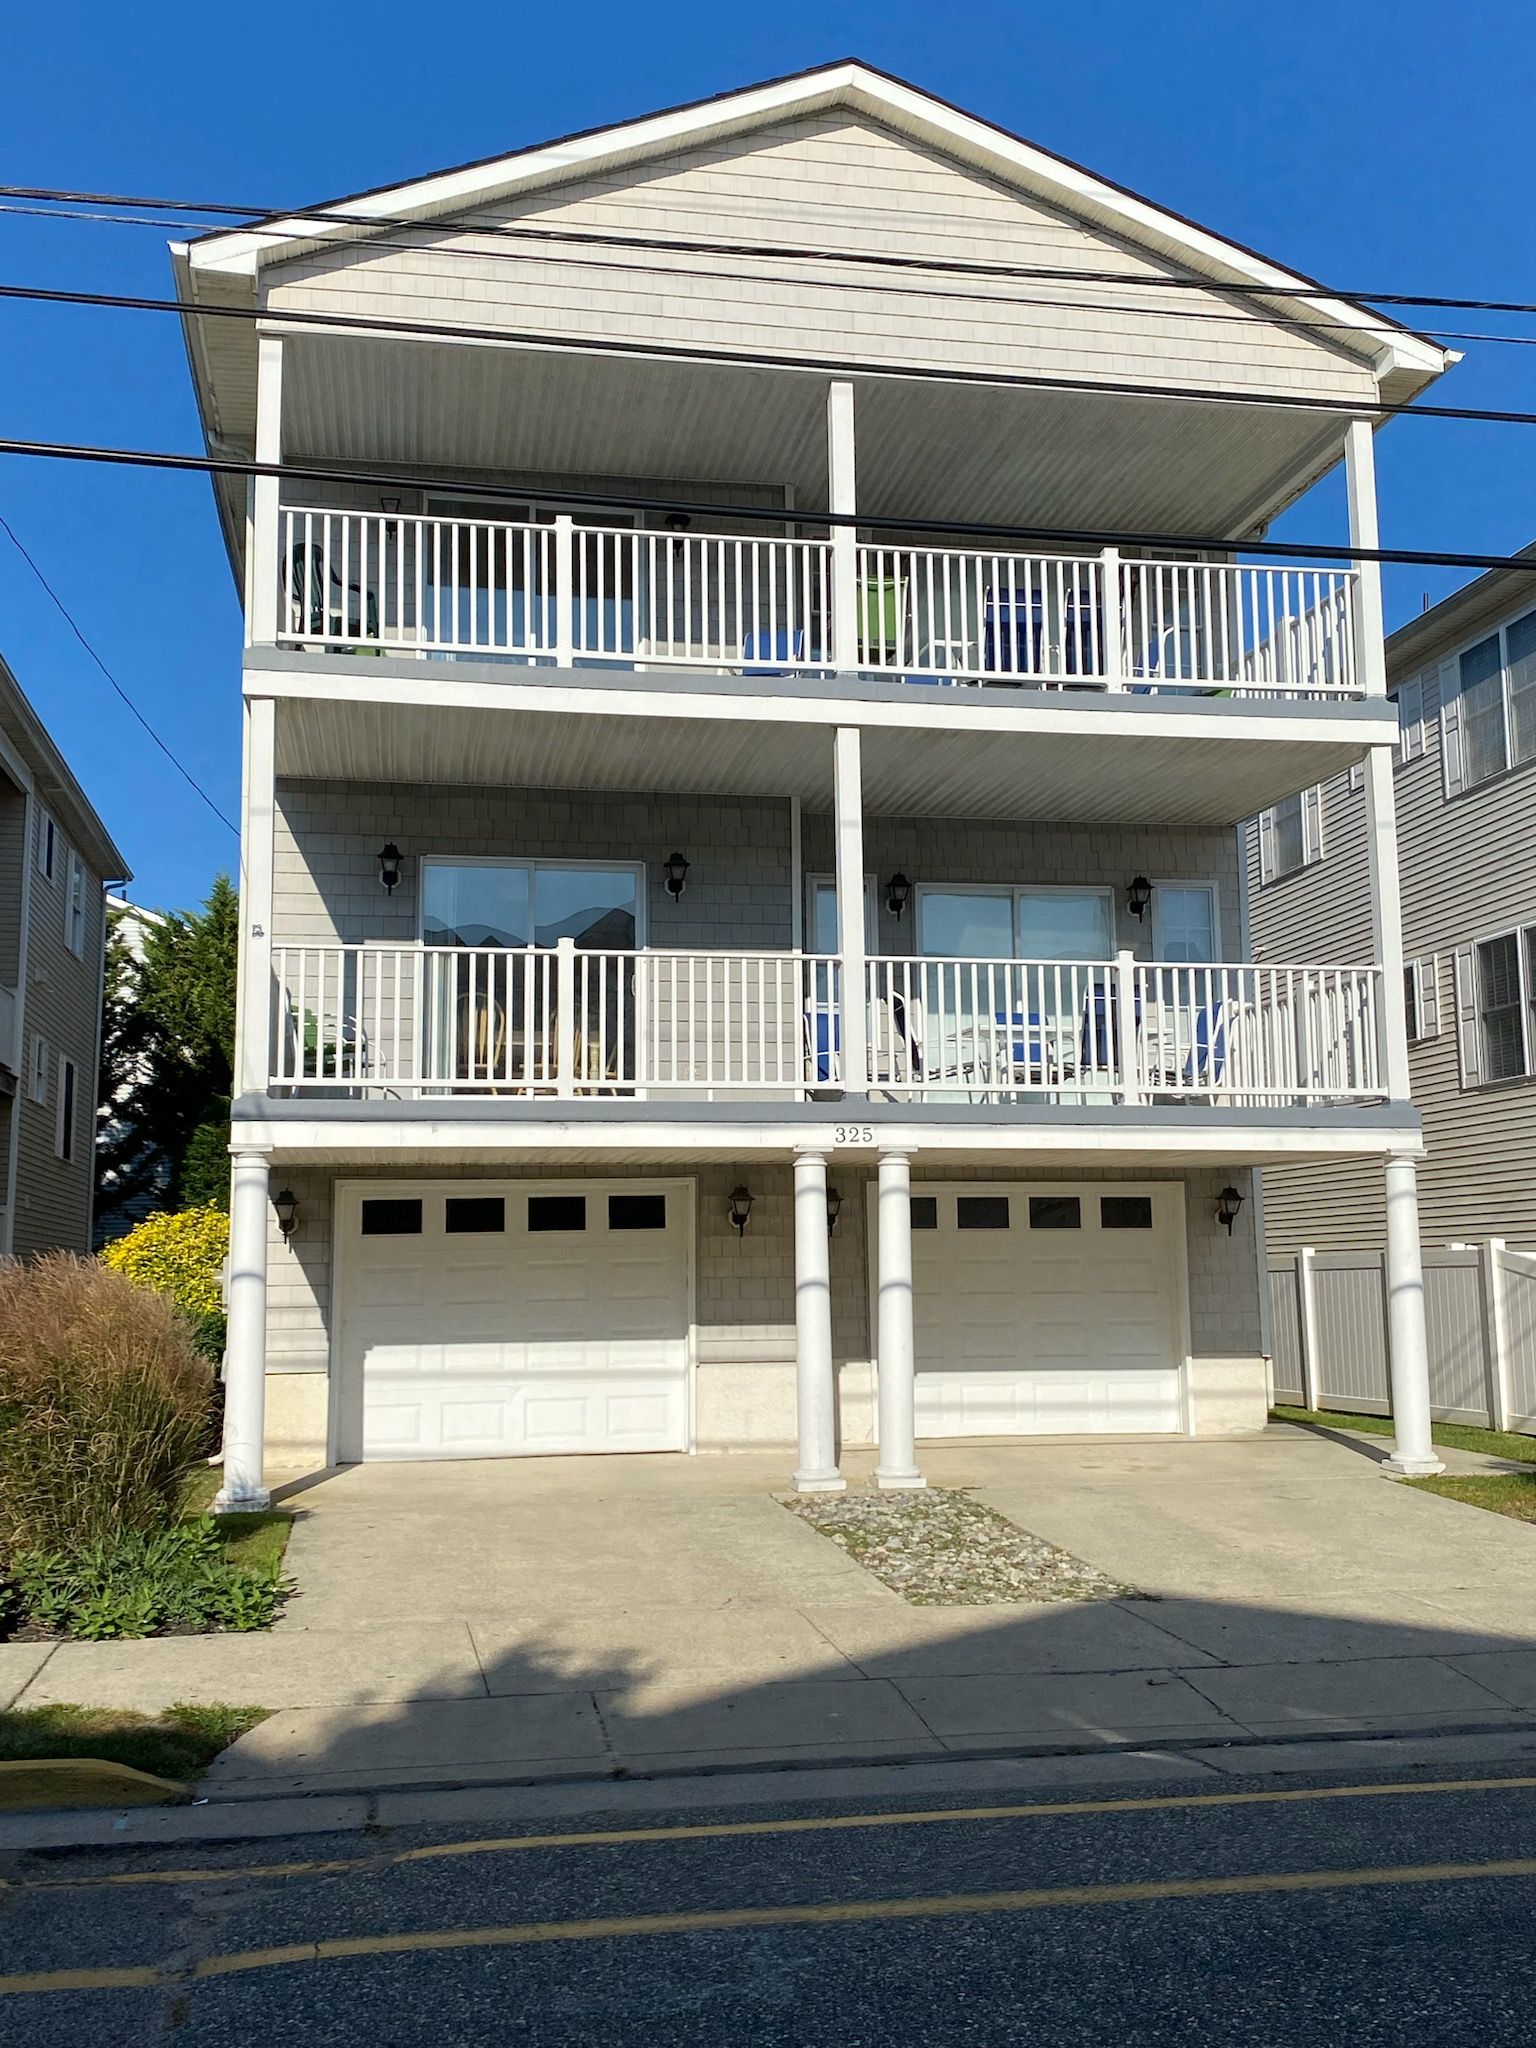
1073, 776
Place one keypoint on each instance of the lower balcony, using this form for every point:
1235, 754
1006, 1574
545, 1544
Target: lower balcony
393, 1023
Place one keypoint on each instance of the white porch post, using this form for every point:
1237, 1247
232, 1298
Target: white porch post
895, 1351
848, 832
842, 496
253, 996
1413, 1448
264, 570
815, 1388
245, 1356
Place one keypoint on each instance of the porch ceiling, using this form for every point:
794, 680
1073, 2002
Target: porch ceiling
926, 449
1143, 774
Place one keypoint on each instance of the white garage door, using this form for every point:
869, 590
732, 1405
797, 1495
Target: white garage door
483, 1319
1047, 1310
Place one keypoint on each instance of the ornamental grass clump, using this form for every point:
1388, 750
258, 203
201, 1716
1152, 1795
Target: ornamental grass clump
104, 1405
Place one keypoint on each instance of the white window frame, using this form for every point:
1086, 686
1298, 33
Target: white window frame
46, 847
1312, 846
74, 906
529, 865
1014, 890
1186, 882
1469, 1010
40, 1066
871, 911
1452, 751
66, 1140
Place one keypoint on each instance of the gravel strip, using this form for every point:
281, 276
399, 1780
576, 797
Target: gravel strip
938, 1548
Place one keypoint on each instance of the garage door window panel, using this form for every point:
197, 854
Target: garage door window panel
1125, 1212
391, 1217
474, 1215
982, 1212
557, 1212
637, 1212
1055, 1212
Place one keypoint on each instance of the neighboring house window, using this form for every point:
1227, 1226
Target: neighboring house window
74, 908
47, 844
39, 1068
1488, 723
1495, 980
1291, 834
1421, 998
64, 1135
1414, 705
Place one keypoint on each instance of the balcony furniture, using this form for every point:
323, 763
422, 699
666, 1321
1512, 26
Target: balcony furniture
480, 1037
763, 648
882, 620
1013, 632
1035, 1053
322, 607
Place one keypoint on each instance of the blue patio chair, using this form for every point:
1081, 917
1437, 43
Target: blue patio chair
1029, 1058
823, 1042
1101, 1027
1013, 632
1206, 1065
762, 649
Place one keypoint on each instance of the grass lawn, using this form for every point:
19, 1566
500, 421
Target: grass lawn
1502, 1493
181, 1742
1456, 1436
256, 1541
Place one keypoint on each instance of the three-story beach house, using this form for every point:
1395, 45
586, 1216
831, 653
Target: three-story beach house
751, 680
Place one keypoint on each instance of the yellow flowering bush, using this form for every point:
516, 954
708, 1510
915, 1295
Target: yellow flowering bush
178, 1255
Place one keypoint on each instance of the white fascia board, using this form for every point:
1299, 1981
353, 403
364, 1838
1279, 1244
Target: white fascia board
1061, 183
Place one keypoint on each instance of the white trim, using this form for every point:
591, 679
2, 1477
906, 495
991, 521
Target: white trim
992, 150
1469, 1006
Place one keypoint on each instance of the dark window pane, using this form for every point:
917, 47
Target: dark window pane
925, 1212
557, 1212
637, 1212
468, 1213
1498, 994
391, 1217
982, 1212
1482, 710
1125, 1212
1055, 1212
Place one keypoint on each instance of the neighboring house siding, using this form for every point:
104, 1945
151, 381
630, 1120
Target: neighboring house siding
13, 854
63, 1003
820, 181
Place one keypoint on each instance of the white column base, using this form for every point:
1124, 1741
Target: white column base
900, 1482
255, 1503
805, 1482
1412, 1468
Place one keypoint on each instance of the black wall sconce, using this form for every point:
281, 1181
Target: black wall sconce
898, 891
677, 524
676, 874
834, 1209
1138, 895
739, 1209
1228, 1203
286, 1204
389, 504
389, 867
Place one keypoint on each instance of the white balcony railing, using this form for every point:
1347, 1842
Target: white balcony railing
423, 1021
560, 593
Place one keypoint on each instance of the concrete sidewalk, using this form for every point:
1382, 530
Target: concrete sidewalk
580, 1618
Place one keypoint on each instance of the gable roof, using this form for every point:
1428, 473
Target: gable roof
54, 780
1404, 362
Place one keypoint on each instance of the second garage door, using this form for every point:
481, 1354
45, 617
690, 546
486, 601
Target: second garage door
1047, 1310
483, 1319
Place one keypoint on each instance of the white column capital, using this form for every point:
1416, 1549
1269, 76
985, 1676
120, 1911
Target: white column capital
812, 1156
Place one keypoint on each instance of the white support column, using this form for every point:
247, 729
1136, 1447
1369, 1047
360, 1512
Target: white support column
264, 570
1413, 1448
1365, 532
842, 496
848, 833
815, 1384
245, 1355
895, 1351
565, 1016
258, 816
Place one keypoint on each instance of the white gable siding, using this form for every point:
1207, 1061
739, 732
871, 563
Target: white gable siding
828, 181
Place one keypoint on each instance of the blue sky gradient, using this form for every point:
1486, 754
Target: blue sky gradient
1378, 147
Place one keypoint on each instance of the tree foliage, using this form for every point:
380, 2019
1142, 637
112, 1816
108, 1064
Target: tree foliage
168, 1048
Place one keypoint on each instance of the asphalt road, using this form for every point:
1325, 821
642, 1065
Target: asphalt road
1339, 1911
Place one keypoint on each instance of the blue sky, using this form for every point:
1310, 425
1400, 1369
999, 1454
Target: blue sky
1378, 147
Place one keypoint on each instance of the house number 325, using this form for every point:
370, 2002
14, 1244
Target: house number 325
853, 1134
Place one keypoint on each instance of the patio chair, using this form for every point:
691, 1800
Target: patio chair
767, 653
822, 1031
1013, 632
882, 621
322, 607
1036, 1052
1205, 1068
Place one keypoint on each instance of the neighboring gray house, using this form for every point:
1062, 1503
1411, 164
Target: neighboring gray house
724, 963
1464, 678
55, 862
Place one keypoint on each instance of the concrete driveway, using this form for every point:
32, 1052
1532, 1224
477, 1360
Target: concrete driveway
577, 1616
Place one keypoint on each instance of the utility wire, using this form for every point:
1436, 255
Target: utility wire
1094, 537
74, 626
1290, 401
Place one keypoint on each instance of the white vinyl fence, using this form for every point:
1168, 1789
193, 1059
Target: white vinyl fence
1328, 1331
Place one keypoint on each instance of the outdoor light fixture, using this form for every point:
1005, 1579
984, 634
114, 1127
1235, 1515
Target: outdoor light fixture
897, 892
834, 1209
286, 1203
389, 867
676, 872
739, 1209
389, 504
1228, 1202
677, 522
1138, 896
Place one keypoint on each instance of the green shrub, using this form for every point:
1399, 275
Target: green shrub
104, 1405
179, 1255
133, 1584
205, 1165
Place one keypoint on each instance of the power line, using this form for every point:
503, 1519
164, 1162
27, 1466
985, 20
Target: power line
74, 626
1093, 537
1287, 401
1384, 327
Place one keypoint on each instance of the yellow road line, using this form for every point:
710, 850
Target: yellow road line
833, 1913
600, 1838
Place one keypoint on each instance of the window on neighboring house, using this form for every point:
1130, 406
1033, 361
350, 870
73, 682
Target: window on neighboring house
1291, 834
1414, 702
47, 844
74, 908
1496, 1024
1489, 722
64, 1134
1421, 998
39, 1068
